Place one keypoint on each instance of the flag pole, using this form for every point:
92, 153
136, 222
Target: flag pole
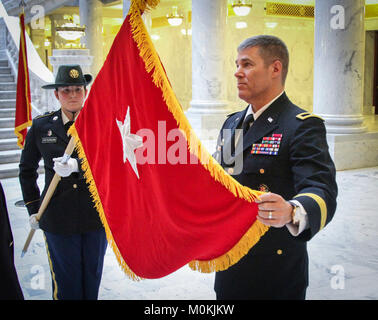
22, 5
50, 191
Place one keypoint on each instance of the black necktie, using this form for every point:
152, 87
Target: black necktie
68, 125
247, 123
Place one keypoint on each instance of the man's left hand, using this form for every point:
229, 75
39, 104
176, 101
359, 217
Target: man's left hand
274, 210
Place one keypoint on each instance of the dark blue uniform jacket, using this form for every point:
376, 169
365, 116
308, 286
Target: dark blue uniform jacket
71, 209
302, 169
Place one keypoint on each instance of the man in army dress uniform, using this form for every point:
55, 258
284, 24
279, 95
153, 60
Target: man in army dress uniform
75, 238
285, 153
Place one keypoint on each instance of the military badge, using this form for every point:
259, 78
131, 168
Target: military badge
74, 73
49, 138
268, 146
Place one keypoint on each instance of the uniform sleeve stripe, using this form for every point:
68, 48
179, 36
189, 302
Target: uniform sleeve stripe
322, 205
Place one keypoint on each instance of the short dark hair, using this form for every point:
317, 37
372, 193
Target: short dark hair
271, 48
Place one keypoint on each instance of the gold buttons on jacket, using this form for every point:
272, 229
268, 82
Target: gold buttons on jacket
279, 251
74, 185
262, 171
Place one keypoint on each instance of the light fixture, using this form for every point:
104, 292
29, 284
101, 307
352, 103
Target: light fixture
186, 32
174, 19
241, 8
271, 25
241, 25
47, 42
70, 31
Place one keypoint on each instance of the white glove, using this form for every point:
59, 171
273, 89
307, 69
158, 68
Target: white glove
65, 169
34, 224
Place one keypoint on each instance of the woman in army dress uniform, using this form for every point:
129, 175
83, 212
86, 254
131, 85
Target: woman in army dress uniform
75, 238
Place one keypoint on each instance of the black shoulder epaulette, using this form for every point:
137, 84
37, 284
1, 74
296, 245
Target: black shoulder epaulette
44, 115
306, 115
231, 114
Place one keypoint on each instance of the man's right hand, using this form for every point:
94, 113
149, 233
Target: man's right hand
34, 224
65, 169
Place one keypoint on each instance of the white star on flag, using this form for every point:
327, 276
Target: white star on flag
130, 142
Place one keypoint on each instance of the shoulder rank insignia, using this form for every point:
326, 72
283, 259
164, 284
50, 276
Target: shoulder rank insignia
44, 115
231, 114
306, 115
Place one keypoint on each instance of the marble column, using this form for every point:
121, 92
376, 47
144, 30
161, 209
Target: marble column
71, 56
339, 64
147, 20
91, 17
126, 7
209, 104
339, 51
146, 16
38, 38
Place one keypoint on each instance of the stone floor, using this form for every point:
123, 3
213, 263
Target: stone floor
343, 257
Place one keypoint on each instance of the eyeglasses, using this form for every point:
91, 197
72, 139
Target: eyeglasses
71, 90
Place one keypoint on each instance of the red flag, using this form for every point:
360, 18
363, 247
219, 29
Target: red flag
164, 201
23, 100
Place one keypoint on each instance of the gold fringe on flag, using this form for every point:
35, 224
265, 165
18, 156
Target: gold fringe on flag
98, 204
155, 68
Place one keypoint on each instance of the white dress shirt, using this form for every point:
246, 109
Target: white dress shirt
65, 118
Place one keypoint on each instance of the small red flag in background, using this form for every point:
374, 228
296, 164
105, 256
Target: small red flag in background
160, 210
23, 97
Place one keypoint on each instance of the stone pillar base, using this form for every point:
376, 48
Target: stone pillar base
352, 151
344, 124
71, 56
206, 122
